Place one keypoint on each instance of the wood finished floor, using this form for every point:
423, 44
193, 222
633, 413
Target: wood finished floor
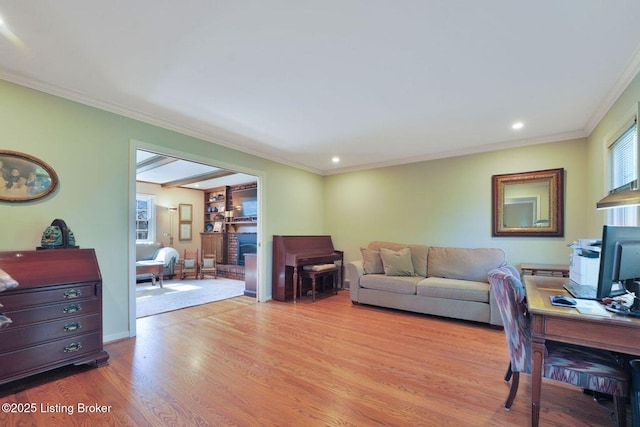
328, 363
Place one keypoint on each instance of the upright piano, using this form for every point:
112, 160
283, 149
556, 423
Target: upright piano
291, 253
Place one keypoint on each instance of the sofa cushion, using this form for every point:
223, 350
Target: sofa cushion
397, 263
464, 264
419, 258
371, 261
418, 254
396, 284
466, 290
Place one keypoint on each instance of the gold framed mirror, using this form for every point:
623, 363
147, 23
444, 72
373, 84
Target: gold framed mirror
528, 204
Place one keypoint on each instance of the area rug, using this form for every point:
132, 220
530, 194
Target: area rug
177, 294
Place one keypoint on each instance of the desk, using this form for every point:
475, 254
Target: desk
610, 332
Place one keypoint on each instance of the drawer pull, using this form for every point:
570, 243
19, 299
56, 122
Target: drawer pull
73, 293
72, 327
75, 346
72, 308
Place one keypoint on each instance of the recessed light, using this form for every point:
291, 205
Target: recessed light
517, 126
335, 159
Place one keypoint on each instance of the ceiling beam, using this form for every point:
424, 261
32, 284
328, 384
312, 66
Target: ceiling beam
197, 178
153, 162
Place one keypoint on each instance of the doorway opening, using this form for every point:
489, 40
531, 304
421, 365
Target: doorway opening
194, 207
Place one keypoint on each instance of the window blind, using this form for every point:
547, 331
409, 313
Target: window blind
624, 170
624, 158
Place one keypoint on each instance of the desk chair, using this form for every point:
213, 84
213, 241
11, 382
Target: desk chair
587, 368
190, 264
208, 265
635, 392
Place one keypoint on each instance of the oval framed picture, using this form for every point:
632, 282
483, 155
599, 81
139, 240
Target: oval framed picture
24, 178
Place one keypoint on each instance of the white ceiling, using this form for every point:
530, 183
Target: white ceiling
373, 82
172, 172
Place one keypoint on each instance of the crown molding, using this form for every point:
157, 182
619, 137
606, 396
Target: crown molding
564, 136
210, 135
628, 74
207, 135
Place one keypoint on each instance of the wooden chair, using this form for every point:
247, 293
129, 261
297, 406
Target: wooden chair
586, 368
190, 264
208, 265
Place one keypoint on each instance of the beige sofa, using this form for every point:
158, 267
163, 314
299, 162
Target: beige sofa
441, 281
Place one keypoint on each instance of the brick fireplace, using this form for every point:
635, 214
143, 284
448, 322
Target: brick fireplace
238, 245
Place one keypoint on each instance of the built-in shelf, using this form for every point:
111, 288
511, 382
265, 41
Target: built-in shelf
223, 223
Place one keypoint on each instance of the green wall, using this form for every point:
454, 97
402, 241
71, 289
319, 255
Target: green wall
444, 202
620, 112
447, 202
91, 151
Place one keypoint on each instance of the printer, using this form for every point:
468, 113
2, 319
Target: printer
584, 261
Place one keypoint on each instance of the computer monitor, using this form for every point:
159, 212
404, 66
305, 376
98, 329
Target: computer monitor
626, 270
611, 234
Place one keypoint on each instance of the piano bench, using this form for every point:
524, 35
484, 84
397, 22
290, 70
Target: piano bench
315, 275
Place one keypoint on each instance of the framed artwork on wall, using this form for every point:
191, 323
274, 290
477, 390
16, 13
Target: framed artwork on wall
24, 178
185, 231
186, 212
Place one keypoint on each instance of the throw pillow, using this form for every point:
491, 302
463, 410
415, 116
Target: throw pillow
371, 261
397, 263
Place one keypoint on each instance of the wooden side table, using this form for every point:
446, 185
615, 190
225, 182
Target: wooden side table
155, 268
559, 270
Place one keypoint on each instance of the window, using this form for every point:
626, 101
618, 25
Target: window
145, 228
623, 162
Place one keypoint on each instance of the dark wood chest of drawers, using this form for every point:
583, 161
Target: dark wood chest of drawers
56, 312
